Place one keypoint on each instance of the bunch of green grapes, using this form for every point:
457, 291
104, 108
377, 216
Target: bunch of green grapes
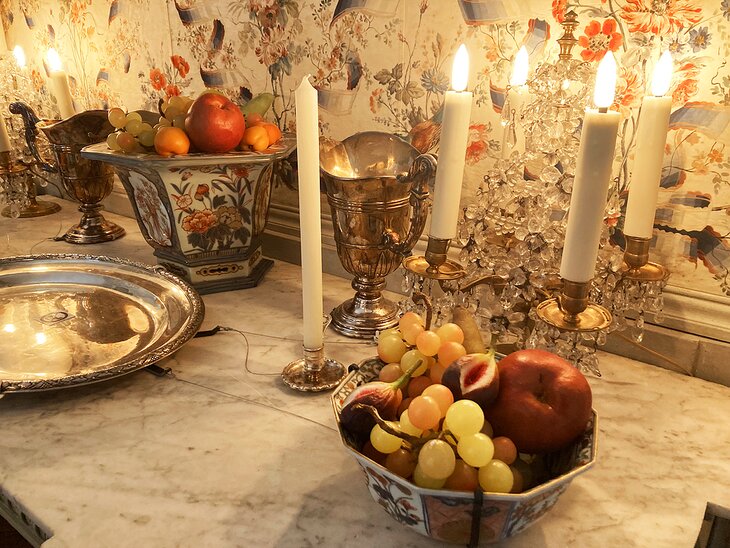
134, 135
457, 449
459, 453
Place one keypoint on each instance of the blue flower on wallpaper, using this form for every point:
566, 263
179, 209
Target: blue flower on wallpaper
726, 9
435, 81
699, 38
675, 46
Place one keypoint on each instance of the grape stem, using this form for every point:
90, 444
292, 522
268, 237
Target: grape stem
414, 441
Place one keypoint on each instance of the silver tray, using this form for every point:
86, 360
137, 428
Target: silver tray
67, 320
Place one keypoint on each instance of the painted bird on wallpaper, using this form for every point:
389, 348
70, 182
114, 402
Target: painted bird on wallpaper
424, 136
354, 69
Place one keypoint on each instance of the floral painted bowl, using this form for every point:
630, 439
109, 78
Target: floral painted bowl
447, 515
204, 214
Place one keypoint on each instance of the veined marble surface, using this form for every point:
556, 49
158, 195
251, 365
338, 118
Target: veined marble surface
220, 454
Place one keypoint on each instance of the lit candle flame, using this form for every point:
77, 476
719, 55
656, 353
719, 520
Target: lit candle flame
19, 55
54, 61
662, 77
520, 68
460, 69
605, 89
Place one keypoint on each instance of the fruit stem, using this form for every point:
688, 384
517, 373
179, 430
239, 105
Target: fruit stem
401, 382
414, 441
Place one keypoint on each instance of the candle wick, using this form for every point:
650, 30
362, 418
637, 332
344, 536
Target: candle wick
602, 110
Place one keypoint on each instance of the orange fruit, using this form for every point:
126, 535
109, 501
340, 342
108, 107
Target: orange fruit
171, 140
256, 137
273, 131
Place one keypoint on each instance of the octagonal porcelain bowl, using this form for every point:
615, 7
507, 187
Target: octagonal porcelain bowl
448, 515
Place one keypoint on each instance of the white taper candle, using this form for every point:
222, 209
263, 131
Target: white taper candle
310, 228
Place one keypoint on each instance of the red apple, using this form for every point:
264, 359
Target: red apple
214, 124
544, 402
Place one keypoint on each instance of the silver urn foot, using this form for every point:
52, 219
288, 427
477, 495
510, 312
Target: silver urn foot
367, 312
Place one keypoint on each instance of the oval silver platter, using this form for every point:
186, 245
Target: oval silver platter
68, 320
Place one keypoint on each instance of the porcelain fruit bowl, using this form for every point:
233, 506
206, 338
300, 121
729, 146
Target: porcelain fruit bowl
447, 515
204, 214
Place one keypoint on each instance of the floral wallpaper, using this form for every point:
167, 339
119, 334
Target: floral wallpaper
385, 64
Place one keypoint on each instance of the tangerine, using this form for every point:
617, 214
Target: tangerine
171, 140
257, 138
273, 131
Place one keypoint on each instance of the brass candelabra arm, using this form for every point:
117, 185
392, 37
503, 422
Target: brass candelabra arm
435, 264
571, 310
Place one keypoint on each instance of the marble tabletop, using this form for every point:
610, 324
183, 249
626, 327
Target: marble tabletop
221, 453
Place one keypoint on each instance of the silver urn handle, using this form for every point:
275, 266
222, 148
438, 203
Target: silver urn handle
30, 119
420, 174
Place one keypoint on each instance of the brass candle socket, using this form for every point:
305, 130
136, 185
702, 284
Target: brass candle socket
636, 262
572, 310
314, 372
16, 176
435, 264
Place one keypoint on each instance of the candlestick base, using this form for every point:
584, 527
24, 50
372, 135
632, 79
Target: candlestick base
572, 311
636, 262
15, 176
435, 264
313, 372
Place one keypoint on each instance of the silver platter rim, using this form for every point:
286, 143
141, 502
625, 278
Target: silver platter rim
174, 343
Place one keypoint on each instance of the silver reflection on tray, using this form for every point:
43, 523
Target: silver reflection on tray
87, 181
377, 186
67, 320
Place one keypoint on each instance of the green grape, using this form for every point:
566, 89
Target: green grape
383, 441
409, 318
111, 142
164, 121
391, 349
504, 450
464, 477
428, 343
476, 449
133, 116
117, 117
401, 462
464, 417
450, 332
134, 127
409, 359
407, 426
424, 413
179, 121
126, 141
436, 459
391, 331
172, 112
496, 477
147, 139
425, 481
390, 372
411, 331
443, 396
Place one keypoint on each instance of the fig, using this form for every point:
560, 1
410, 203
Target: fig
386, 397
473, 377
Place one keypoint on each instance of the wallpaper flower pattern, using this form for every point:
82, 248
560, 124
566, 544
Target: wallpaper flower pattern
385, 64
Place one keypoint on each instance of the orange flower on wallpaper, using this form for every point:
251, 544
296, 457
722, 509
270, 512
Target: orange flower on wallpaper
628, 90
598, 39
181, 65
715, 155
171, 90
660, 17
559, 7
158, 79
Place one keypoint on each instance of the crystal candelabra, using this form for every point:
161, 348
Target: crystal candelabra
17, 181
511, 236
